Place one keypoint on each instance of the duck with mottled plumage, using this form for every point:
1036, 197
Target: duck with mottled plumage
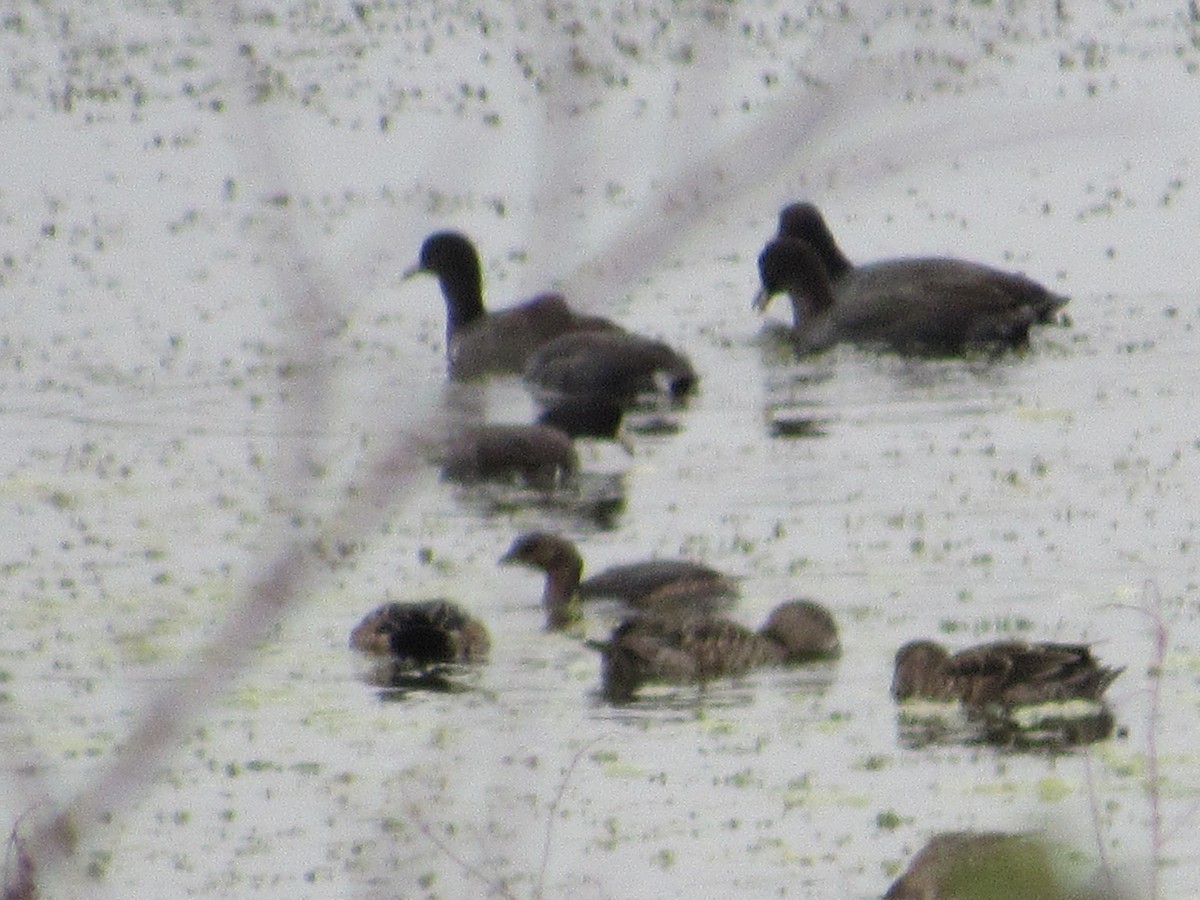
422, 634
698, 648
1004, 673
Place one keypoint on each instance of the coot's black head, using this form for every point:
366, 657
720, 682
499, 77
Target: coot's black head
447, 252
787, 265
452, 258
804, 222
801, 220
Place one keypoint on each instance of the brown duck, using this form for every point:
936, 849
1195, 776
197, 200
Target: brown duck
638, 585
683, 648
1007, 673
422, 634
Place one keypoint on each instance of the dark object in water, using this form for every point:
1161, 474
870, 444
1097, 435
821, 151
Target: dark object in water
541, 456
926, 306
586, 417
422, 634
1005, 673
481, 343
804, 222
697, 648
613, 365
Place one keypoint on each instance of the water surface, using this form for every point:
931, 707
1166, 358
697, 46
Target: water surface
148, 393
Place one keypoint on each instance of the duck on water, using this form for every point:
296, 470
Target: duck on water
615, 366
641, 585
422, 634
695, 648
1000, 673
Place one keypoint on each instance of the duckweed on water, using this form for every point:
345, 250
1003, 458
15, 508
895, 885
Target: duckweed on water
889, 820
743, 779
624, 771
138, 649
1054, 790
262, 765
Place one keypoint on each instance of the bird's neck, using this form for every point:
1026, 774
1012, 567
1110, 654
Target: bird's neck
559, 598
835, 261
463, 293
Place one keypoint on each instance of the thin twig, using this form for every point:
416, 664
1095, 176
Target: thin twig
1154, 721
552, 813
495, 885
285, 577
1105, 865
1151, 608
19, 873
760, 161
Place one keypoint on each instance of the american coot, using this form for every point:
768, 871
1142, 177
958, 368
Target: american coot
635, 584
617, 366
699, 648
803, 221
422, 634
1006, 673
481, 343
927, 305
541, 455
